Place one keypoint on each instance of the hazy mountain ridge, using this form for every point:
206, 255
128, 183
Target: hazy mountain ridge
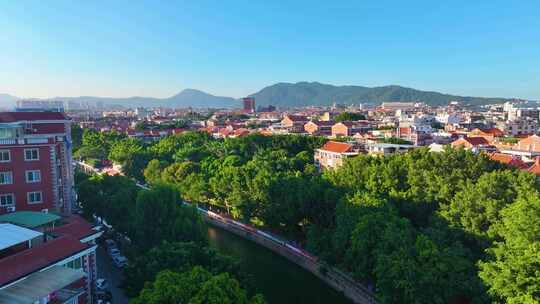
314, 93
281, 95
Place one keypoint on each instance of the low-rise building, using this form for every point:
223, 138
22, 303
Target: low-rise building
333, 153
475, 144
45, 259
323, 128
350, 128
294, 123
387, 149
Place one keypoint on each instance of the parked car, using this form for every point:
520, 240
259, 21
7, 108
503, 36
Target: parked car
114, 252
103, 297
110, 243
102, 284
120, 261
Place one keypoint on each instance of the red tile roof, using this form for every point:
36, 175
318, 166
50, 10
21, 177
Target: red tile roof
337, 147
297, 118
6, 117
508, 160
76, 227
493, 131
535, 168
25, 262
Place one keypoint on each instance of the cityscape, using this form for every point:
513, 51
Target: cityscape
345, 189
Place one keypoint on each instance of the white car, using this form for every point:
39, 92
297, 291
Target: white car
102, 284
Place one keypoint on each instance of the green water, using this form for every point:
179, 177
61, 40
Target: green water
279, 280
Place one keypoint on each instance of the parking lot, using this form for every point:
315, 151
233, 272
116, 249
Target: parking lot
112, 274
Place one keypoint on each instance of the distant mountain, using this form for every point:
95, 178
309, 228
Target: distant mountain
7, 101
314, 93
281, 95
199, 99
186, 98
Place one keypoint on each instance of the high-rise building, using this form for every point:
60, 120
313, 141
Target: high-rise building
249, 104
36, 172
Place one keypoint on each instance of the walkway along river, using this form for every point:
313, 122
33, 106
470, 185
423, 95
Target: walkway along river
278, 279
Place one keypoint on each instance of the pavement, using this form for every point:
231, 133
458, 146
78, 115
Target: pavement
107, 270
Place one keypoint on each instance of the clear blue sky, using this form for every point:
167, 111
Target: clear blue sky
73, 48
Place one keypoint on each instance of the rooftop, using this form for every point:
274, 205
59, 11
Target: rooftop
29, 219
11, 235
337, 147
7, 117
39, 285
28, 261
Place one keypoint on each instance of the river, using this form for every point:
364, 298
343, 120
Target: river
280, 281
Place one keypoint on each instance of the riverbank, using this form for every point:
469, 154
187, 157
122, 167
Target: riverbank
334, 278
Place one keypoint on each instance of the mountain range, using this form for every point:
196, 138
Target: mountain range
281, 95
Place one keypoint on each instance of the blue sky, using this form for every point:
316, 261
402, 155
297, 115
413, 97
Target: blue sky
234, 48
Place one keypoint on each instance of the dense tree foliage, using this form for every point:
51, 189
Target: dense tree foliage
349, 116
196, 286
418, 227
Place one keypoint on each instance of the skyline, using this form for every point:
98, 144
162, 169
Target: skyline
486, 49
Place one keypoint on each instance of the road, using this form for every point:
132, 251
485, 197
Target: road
107, 270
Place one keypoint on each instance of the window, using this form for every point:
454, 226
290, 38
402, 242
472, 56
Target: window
5, 156
6, 178
7, 199
34, 197
31, 154
75, 264
8, 133
33, 176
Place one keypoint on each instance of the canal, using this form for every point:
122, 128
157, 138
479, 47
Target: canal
280, 281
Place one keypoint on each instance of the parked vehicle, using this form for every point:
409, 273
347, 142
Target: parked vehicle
103, 297
114, 252
120, 261
102, 284
110, 243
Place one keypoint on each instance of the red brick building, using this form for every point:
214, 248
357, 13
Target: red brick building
35, 162
47, 259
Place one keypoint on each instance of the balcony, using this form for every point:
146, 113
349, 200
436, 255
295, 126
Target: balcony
8, 141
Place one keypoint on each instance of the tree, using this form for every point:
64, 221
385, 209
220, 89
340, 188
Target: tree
179, 257
152, 172
512, 271
349, 116
161, 216
197, 286
76, 136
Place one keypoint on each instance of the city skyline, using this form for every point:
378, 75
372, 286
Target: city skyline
486, 49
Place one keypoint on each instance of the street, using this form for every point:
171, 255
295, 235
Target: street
112, 274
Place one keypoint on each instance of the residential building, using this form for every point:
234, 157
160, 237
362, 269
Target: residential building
294, 123
476, 144
489, 134
350, 128
394, 106
387, 149
36, 171
319, 127
519, 127
249, 104
46, 259
333, 153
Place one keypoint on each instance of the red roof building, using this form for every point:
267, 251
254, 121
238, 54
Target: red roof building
333, 153
509, 160
47, 265
36, 171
